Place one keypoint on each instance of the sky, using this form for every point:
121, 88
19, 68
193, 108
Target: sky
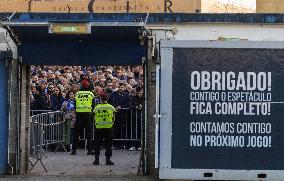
247, 3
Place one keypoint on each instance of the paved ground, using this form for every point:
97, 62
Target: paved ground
63, 166
126, 162
76, 178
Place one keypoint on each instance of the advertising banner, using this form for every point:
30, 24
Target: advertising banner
227, 109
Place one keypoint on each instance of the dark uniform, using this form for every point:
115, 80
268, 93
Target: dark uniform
104, 118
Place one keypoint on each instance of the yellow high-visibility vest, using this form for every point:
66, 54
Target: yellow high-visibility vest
84, 100
104, 115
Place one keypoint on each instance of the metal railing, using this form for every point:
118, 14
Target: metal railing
130, 120
36, 142
45, 129
50, 126
35, 112
129, 129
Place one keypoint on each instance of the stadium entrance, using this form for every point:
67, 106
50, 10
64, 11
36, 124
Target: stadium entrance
56, 125
98, 50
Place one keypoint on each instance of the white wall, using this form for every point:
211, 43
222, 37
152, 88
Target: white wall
250, 4
213, 31
6, 43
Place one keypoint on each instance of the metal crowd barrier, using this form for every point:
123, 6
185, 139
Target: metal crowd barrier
35, 112
45, 129
130, 124
36, 142
126, 128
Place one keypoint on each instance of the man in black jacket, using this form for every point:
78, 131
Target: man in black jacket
39, 102
119, 100
136, 108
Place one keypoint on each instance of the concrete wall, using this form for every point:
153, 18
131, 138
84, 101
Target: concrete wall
269, 6
25, 115
223, 6
14, 119
18, 102
151, 110
6, 43
220, 31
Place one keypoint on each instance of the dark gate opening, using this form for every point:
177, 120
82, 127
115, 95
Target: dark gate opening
124, 46
128, 138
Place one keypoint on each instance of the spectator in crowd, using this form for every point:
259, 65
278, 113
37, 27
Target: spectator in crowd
98, 90
75, 87
44, 89
56, 99
35, 79
51, 76
33, 89
135, 105
128, 89
136, 101
43, 86
120, 100
68, 108
109, 88
50, 91
39, 101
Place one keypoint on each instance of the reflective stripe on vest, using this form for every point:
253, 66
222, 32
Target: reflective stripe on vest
104, 115
84, 100
103, 123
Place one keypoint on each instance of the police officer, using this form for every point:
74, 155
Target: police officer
83, 104
104, 118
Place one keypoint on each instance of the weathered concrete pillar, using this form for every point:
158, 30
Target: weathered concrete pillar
13, 99
19, 78
25, 118
151, 109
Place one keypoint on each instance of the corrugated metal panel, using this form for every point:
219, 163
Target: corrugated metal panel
3, 114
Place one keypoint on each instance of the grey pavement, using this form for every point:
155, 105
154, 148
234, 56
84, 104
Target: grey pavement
63, 166
77, 177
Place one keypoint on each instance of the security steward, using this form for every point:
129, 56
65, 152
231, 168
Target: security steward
84, 105
104, 118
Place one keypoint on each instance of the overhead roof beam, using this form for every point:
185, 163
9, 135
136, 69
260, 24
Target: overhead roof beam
140, 18
91, 23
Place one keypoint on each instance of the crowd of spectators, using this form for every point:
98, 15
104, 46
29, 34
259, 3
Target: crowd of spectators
52, 87
50, 84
